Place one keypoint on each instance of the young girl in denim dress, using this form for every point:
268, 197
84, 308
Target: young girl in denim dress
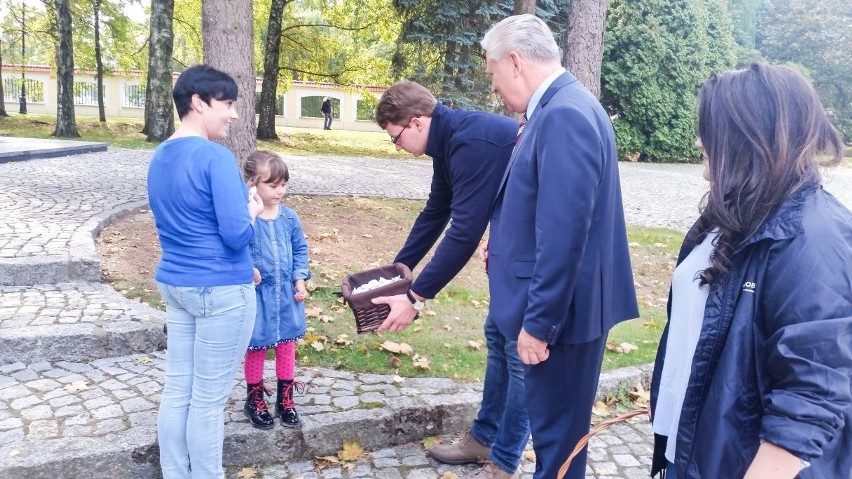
280, 256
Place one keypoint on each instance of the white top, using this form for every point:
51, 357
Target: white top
688, 301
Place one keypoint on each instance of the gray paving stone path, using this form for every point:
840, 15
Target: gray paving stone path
81, 366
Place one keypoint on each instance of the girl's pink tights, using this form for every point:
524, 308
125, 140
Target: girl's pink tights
285, 363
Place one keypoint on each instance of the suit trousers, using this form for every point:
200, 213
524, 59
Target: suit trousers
560, 393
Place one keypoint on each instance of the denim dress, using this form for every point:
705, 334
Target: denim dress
280, 252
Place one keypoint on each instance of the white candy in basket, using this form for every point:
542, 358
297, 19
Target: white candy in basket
375, 283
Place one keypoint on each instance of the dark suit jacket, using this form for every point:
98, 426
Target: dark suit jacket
469, 151
558, 259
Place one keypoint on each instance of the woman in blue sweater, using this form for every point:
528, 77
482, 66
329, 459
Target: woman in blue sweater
205, 225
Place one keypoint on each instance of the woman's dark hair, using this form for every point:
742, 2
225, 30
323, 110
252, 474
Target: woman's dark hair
764, 130
260, 162
206, 82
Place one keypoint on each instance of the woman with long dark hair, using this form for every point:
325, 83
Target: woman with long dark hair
753, 377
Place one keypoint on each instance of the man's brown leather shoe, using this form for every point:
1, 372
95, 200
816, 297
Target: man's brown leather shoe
491, 471
466, 451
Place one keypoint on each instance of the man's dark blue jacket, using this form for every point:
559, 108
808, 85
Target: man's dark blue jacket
469, 153
774, 357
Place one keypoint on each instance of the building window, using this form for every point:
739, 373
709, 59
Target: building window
367, 109
86, 93
134, 96
12, 90
311, 107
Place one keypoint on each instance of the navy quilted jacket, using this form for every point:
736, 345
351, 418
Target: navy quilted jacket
774, 357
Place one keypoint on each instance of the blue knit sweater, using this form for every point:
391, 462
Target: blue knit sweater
199, 202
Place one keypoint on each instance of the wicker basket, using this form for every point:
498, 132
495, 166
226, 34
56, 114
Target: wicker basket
369, 316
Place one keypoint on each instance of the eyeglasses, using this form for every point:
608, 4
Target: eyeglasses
395, 139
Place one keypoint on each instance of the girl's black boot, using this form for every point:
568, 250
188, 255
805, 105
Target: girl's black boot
255, 408
284, 405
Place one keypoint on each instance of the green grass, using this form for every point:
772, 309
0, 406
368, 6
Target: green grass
125, 133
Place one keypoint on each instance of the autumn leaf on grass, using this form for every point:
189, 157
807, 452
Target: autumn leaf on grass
343, 340
77, 386
622, 348
318, 346
366, 235
395, 361
396, 348
352, 451
639, 394
321, 462
447, 327
430, 441
475, 345
450, 475
326, 318
313, 312
420, 362
247, 473
431, 313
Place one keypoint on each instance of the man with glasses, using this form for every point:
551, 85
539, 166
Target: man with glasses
470, 151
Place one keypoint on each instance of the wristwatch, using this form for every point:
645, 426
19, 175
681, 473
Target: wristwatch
415, 303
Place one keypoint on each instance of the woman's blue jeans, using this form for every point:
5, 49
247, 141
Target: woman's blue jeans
208, 331
502, 422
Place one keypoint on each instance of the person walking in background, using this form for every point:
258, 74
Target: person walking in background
205, 226
558, 263
469, 153
326, 110
280, 256
753, 376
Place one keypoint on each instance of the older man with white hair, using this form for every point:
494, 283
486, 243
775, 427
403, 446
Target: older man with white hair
559, 268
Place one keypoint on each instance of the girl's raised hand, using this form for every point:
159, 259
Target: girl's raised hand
255, 204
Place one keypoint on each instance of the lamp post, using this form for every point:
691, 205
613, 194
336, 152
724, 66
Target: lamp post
23, 107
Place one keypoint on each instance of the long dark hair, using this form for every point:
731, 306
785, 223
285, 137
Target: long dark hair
764, 130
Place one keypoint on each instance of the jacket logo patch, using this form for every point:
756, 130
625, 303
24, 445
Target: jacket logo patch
749, 286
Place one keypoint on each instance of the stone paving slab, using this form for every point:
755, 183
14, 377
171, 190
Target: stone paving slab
98, 419
21, 149
74, 322
623, 451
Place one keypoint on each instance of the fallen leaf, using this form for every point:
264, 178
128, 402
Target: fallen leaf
447, 327
397, 348
420, 362
326, 318
343, 339
77, 386
398, 379
450, 475
600, 409
475, 345
313, 312
247, 473
430, 441
318, 346
352, 451
622, 348
395, 361
639, 394
431, 313
322, 462
142, 360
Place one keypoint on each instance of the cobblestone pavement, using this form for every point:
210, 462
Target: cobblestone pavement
75, 388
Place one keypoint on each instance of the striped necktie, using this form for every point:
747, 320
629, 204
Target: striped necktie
521, 127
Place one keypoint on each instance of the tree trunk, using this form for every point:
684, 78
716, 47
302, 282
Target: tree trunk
269, 89
66, 125
228, 34
99, 63
524, 6
2, 93
584, 41
159, 109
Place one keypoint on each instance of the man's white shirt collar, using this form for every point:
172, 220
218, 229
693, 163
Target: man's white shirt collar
539, 92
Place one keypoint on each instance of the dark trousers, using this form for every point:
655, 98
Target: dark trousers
326, 124
560, 393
